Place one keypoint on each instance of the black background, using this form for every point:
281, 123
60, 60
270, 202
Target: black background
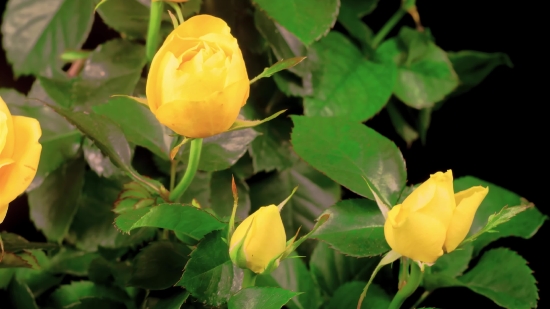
493, 132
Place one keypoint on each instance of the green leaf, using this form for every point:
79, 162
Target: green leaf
53, 204
210, 275
23, 259
106, 272
41, 279
188, 220
491, 278
401, 126
347, 296
5, 277
447, 268
91, 302
345, 84
60, 140
93, 223
355, 227
315, 193
98, 162
113, 68
128, 17
293, 275
72, 262
308, 28
71, 294
272, 150
360, 7
277, 67
107, 136
351, 20
159, 265
331, 269
48, 28
16, 243
220, 151
139, 125
473, 67
173, 302
191, 7
21, 296
355, 153
524, 225
260, 297
425, 73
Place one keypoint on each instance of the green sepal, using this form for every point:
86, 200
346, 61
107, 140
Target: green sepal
237, 254
292, 244
244, 124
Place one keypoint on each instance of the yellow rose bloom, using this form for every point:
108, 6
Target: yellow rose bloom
432, 219
198, 82
265, 240
19, 155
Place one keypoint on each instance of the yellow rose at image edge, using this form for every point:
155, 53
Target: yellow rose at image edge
19, 155
198, 82
266, 238
432, 219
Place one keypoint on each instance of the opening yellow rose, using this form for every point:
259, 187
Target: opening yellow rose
19, 155
258, 240
198, 82
432, 219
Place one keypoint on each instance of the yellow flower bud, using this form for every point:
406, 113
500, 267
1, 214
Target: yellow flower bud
432, 219
259, 240
198, 82
19, 155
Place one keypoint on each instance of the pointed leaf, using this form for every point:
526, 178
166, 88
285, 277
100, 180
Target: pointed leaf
128, 17
277, 67
260, 297
243, 124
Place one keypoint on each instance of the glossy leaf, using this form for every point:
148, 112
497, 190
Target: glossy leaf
524, 225
39, 279
347, 296
125, 16
188, 220
293, 275
425, 73
308, 27
159, 265
345, 84
277, 67
355, 227
20, 296
93, 223
112, 68
272, 150
72, 262
137, 122
16, 243
48, 28
349, 153
331, 269
401, 126
315, 193
360, 7
72, 294
356, 28
53, 204
221, 151
98, 162
473, 67
491, 278
260, 297
210, 275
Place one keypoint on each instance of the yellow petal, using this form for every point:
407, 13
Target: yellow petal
200, 25
16, 177
467, 203
3, 212
442, 205
3, 130
419, 237
7, 150
205, 118
240, 231
266, 239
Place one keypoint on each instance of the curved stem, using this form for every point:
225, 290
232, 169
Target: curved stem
153, 32
408, 289
194, 157
249, 279
379, 37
